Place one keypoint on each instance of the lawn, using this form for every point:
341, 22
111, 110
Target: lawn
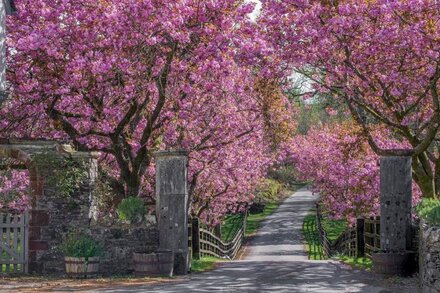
204, 264
231, 225
334, 229
233, 222
311, 235
358, 262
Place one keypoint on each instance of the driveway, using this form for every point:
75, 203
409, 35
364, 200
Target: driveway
275, 261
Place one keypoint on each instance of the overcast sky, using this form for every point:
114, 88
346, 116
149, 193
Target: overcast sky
257, 9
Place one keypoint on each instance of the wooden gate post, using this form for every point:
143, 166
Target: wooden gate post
172, 206
196, 238
360, 238
218, 230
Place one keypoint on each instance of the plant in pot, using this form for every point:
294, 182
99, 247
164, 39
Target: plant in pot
82, 255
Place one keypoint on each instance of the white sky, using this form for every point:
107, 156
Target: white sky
257, 9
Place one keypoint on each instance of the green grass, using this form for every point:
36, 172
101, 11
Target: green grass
254, 220
358, 262
233, 222
311, 236
334, 228
204, 264
231, 225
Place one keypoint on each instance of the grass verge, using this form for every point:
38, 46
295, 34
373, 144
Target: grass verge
231, 225
204, 264
357, 262
311, 235
334, 229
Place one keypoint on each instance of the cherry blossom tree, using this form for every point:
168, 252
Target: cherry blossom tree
382, 58
343, 168
14, 186
127, 78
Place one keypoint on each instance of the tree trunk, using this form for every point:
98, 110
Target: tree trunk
425, 182
133, 186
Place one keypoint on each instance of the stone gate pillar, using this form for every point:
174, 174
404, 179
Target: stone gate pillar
171, 207
395, 257
395, 203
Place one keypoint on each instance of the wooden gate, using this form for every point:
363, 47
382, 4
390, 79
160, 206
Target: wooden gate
13, 242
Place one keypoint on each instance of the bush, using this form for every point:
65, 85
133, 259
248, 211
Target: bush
80, 245
284, 174
132, 209
268, 191
429, 209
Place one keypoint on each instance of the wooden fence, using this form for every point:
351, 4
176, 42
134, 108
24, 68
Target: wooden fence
205, 243
372, 236
13, 242
327, 245
361, 240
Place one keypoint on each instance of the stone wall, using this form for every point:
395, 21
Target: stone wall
429, 250
53, 216
119, 245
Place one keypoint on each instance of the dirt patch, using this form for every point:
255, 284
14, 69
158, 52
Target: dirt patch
42, 284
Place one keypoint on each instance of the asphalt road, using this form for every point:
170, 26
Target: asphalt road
276, 262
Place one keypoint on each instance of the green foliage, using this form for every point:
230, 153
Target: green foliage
103, 192
67, 174
230, 226
429, 209
78, 244
284, 174
269, 191
132, 209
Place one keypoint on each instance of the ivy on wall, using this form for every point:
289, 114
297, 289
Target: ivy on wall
67, 174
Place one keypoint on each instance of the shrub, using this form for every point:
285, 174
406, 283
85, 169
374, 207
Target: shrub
132, 209
429, 209
80, 245
268, 191
284, 174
